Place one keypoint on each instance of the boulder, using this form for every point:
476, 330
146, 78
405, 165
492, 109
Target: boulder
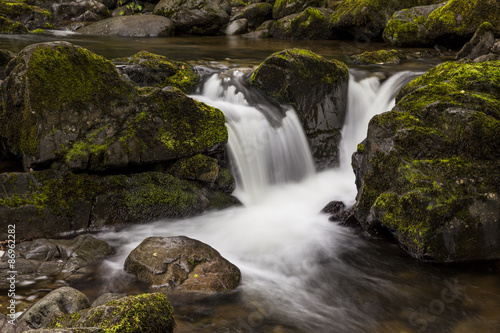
56, 303
255, 14
455, 23
75, 110
496, 48
429, 168
321, 107
107, 297
365, 20
406, 28
197, 17
5, 326
284, 8
33, 17
153, 70
131, 26
182, 264
79, 10
5, 57
480, 44
48, 203
7, 26
379, 57
236, 27
145, 313
312, 23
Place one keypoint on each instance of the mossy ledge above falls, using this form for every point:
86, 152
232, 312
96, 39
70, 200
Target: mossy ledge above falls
430, 168
98, 150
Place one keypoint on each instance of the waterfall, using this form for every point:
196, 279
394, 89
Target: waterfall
264, 150
298, 268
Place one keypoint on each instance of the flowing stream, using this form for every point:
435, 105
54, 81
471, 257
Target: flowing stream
301, 272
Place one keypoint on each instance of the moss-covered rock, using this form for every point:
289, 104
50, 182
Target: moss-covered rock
148, 69
321, 107
131, 26
255, 14
366, 19
429, 170
379, 57
145, 313
455, 23
5, 57
197, 17
480, 44
406, 28
33, 17
183, 264
312, 23
7, 26
284, 8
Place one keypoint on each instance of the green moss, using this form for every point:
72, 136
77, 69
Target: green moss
377, 57
198, 167
37, 31
402, 33
360, 148
7, 26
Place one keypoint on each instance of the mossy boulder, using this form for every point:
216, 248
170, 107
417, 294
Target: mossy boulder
321, 107
182, 264
197, 17
7, 26
83, 10
365, 20
312, 23
145, 313
33, 17
153, 70
480, 44
406, 28
429, 170
5, 57
131, 26
455, 23
379, 57
49, 203
75, 110
255, 14
284, 8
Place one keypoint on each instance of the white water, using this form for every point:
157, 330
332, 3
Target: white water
279, 239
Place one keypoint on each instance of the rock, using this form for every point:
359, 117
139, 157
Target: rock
480, 44
197, 17
236, 27
339, 213
107, 297
365, 20
5, 326
33, 17
496, 48
145, 313
488, 57
257, 34
183, 264
5, 57
321, 107
98, 121
148, 69
455, 23
284, 8
312, 23
7, 26
79, 10
51, 203
255, 14
56, 303
406, 28
66, 330
429, 168
379, 57
131, 26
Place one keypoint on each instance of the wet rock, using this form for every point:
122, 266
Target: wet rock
496, 48
79, 10
8, 26
480, 44
153, 70
312, 23
182, 264
428, 170
488, 57
56, 303
236, 27
131, 26
33, 17
406, 28
197, 17
284, 8
455, 23
379, 57
339, 213
255, 14
107, 297
321, 107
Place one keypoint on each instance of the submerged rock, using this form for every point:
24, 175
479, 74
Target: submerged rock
379, 57
429, 170
131, 26
321, 107
145, 313
183, 264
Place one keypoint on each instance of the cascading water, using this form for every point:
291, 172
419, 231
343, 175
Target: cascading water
298, 268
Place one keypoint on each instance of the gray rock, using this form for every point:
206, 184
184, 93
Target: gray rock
132, 26
5, 327
236, 27
312, 23
288, 7
257, 34
105, 298
71, 10
56, 303
487, 57
182, 264
480, 44
255, 14
496, 48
